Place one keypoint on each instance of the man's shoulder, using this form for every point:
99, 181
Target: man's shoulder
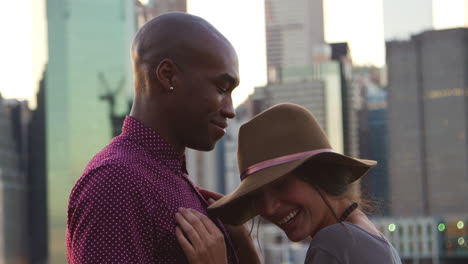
116, 149
102, 176
122, 160
119, 153
115, 163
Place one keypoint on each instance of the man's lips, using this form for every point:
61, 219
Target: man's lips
222, 125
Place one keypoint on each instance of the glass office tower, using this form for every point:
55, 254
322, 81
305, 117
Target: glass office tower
89, 44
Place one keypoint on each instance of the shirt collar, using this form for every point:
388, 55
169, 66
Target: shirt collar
154, 144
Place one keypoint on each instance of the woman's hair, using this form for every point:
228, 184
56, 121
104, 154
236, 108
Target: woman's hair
335, 180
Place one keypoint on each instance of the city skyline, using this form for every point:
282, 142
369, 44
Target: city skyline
396, 114
24, 57
358, 23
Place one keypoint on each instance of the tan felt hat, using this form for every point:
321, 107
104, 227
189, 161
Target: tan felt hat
272, 144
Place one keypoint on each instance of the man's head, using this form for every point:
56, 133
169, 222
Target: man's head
185, 71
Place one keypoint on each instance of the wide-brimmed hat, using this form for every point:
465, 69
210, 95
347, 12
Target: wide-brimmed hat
273, 144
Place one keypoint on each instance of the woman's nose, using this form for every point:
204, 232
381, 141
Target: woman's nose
266, 203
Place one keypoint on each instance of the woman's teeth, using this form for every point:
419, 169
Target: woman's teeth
288, 217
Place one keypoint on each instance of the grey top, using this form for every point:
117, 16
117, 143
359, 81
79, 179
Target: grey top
349, 244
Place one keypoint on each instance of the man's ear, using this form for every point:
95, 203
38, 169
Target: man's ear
165, 72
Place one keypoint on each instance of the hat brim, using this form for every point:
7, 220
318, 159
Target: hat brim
237, 207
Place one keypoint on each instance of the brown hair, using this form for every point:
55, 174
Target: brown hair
335, 180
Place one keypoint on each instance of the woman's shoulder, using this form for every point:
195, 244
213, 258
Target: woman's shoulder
346, 232
346, 241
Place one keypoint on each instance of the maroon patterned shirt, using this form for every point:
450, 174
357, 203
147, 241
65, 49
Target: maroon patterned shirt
122, 209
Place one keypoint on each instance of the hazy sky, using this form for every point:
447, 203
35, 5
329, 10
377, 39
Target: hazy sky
400, 23
359, 22
16, 48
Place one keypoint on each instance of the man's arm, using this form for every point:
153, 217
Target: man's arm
108, 219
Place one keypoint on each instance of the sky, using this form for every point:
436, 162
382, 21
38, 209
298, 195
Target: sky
15, 48
358, 22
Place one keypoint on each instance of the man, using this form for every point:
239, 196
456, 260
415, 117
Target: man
122, 209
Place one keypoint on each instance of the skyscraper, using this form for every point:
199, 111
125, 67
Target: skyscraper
294, 34
340, 53
373, 135
37, 182
298, 62
427, 123
317, 88
13, 184
89, 43
298, 59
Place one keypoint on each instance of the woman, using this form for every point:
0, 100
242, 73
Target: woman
291, 176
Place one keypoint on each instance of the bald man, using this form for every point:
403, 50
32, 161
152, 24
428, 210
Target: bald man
122, 209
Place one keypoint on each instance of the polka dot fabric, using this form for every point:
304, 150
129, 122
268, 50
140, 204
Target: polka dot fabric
122, 208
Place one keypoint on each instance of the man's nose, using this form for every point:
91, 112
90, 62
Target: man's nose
228, 108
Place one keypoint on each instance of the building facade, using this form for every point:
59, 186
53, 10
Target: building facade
89, 43
373, 136
427, 123
13, 182
297, 53
37, 182
341, 53
294, 34
317, 88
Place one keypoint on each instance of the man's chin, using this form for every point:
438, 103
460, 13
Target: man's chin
203, 147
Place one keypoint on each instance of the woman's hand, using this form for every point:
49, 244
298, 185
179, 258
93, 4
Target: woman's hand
240, 235
203, 242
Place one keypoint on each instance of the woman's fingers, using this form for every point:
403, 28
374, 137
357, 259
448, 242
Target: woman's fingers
209, 225
196, 219
209, 194
191, 226
197, 225
210, 201
202, 242
184, 243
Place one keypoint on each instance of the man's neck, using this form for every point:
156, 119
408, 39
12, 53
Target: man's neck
151, 117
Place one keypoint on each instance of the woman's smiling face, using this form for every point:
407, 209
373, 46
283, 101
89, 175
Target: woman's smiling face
293, 205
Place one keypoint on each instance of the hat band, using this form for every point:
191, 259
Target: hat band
280, 160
